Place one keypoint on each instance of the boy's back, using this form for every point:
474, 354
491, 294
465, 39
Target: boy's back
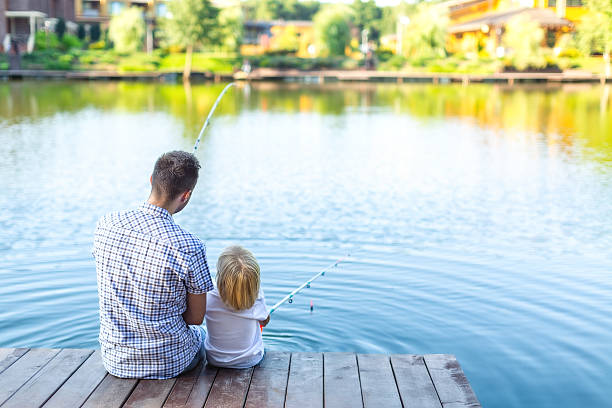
234, 338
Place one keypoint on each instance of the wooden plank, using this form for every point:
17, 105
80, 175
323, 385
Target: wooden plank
202, 387
305, 386
269, 382
341, 380
48, 379
80, 384
451, 384
9, 355
230, 388
378, 386
13, 378
413, 381
182, 388
150, 393
111, 393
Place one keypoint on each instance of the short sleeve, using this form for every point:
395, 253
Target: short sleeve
198, 279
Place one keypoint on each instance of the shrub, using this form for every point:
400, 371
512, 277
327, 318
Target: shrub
60, 28
46, 41
98, 45
70, 41
81, 32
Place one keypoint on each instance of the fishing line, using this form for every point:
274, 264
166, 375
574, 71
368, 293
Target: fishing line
212, 110
289, 297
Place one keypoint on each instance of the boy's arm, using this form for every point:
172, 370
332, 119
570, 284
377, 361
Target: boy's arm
263, 323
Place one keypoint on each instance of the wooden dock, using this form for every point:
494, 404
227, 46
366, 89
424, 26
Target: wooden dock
77, 378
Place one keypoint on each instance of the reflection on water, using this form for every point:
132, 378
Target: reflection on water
565, 116
478, 217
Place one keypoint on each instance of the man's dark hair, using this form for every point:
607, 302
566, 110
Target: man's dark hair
174, 173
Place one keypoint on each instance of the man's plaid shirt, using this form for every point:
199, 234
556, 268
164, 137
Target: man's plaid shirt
146, 264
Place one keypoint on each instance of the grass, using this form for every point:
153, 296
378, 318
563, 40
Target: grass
4, 62
160, 61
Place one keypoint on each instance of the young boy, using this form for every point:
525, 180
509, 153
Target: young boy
235, 309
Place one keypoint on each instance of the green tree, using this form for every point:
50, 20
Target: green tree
280, 10
231, 28
368, 16
60, 28
332, 29
81, 32
94, 32
595, 30
127, 30
190, 23
425, 35
523, 37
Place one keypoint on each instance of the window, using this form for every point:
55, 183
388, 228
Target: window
115, 7
91, 8
552, 3
574, 3
161, 10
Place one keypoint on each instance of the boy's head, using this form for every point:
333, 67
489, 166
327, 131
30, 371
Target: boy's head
238, 277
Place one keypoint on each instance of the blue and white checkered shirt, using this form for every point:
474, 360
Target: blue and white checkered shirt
146, 264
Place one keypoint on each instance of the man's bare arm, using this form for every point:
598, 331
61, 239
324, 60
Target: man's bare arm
196, 309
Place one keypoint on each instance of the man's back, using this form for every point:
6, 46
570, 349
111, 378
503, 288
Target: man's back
146, 264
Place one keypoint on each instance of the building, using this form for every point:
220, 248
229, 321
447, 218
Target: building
20, 19
101, 11
293, 36
480, 24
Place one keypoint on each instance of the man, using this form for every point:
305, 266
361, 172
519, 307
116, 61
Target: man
152, 279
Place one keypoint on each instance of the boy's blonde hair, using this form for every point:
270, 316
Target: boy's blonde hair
238, 277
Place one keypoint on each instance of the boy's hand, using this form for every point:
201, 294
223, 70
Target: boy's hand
263, 323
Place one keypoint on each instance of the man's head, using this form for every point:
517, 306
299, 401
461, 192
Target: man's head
174, 177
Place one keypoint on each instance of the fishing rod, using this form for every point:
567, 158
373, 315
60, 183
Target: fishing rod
289, 297
212, 110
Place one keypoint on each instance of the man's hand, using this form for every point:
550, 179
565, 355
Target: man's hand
263, 323
196, 309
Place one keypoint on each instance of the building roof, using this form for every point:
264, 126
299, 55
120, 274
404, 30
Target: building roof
545, 17
26, 14
270, 23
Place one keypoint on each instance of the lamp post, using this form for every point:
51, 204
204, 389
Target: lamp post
401, 21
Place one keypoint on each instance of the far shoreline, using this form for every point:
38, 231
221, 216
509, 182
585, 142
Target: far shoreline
318, 76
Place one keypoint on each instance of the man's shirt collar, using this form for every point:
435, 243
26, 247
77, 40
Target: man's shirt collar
156, 211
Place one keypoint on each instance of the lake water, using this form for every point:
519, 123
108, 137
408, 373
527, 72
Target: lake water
479, 218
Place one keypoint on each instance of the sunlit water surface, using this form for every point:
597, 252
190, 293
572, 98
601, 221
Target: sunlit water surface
478, 219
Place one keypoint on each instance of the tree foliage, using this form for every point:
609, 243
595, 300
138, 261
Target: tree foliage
425, 35
332, 29
367, 16
595, 30
523, 37
281, 10
231, 28
94, 32
191, 23
60, 28
127, 30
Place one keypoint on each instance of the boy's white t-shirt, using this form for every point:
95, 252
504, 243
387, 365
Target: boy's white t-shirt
233, 339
